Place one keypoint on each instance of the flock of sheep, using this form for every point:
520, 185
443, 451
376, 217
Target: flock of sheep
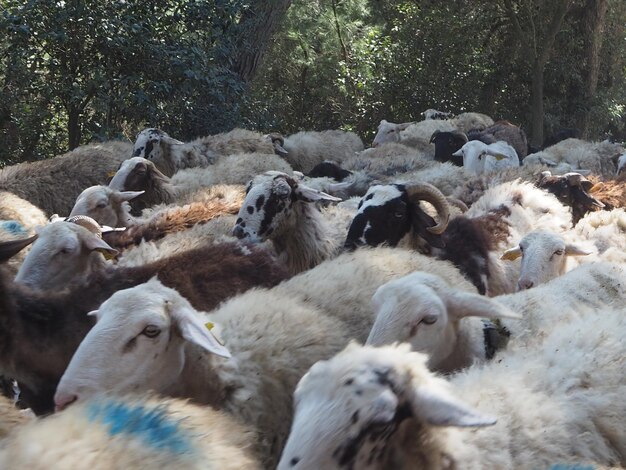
449, 298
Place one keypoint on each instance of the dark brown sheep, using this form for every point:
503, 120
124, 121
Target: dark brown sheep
40, 330
503, 130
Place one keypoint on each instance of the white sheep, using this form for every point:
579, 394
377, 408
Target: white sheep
53, 184
599, 157
171, 155
111, 432
273, 335
381, 408
304, 150
479, 157
435, 318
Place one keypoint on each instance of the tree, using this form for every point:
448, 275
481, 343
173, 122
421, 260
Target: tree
536, 25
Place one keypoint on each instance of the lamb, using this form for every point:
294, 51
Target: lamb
171, 155
131, 432
598, 157
306, 149
382, 408
436, 319
280, 209
479, 157
139, 174
41, 329
388, 213
53, 185
503, 131
273, 336
108, 207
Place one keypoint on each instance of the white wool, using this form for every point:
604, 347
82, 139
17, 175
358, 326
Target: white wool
534, 407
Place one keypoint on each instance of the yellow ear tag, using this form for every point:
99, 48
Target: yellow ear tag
108, 255
111, 174
209, 326
499, 156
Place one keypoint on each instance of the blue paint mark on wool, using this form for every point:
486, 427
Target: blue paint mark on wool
562, 466
13, 227
152, 425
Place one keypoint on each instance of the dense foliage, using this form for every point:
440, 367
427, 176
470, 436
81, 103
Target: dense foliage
72, 71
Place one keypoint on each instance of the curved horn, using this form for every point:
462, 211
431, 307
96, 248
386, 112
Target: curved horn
86, 222
427, 192
457, 203
435, 134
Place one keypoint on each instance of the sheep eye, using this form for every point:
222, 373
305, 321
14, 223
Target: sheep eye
151, 331
521, 248
558, 252
398, 214
101, 205
429, 319
64, 251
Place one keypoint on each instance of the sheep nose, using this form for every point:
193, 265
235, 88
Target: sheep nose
524, 284
62, 401
239, 232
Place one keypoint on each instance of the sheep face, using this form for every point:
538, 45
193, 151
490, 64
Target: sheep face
61, 250
544, 256
349, 408
480, 158
105, 205
446, 144
388, 132
135, 174
136, 345
270, 200
382, 217
388, 212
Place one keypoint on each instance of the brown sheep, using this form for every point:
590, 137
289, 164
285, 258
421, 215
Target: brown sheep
503, 130
53, 184
41, 329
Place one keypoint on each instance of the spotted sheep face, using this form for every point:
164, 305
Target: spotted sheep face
148, 144
348, 409
270, 201
382, 217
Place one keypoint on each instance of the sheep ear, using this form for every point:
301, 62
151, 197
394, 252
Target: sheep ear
464, 304
511, 254
195, 331
309, 194
573, 250
438, 408
403, 126
458, 153
94, 243
279, 149
121, 196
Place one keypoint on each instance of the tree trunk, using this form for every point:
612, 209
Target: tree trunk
593, 24
257, 24
536, 103
73, 128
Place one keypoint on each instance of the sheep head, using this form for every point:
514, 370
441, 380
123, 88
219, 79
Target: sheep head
388, 132
270, 200
388, 212
573, 190
423, 310
349, 408
544, 257
62, 252
105, 205
136, 345
154, 145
